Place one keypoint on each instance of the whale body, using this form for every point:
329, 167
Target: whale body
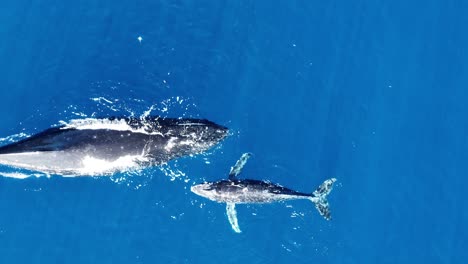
234, 191
94, 146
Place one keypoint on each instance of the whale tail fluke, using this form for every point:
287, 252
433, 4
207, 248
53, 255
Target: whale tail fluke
319, 197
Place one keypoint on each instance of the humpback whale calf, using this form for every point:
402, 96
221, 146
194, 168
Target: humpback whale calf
99, 146
242, 191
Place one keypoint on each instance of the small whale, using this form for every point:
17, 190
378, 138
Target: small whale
246, 191
99, 146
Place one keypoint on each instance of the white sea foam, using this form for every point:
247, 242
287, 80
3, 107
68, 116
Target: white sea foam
172, 171
13, 138
115, 124
101, 99
170, 144
93, 123
20, 175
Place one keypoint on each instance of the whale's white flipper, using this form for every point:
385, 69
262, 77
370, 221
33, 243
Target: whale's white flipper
232, 216
236, 170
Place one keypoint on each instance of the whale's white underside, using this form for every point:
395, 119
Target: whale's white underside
70, 163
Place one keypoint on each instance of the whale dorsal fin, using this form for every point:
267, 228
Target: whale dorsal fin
236, 170
232, 216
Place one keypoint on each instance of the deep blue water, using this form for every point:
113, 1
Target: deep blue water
373, 93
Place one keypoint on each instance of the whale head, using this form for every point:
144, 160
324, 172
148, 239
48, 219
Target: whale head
192, 136
206, 190
201, 130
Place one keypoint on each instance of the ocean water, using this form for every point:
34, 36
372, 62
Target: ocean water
373, 93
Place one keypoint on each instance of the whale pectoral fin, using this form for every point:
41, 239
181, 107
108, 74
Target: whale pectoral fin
232, 216
236, 170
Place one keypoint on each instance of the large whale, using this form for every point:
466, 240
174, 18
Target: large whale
246, 191
93, 146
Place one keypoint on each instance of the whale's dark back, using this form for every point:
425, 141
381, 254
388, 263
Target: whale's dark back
234, 186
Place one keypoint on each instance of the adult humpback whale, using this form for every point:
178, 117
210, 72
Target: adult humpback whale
236, 191
101, 146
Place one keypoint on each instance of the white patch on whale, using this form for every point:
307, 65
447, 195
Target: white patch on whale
93, 166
